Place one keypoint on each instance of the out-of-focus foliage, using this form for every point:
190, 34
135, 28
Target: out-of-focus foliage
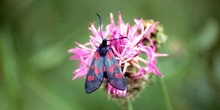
35, 73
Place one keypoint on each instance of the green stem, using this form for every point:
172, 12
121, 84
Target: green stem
165, 93
128, 105
10, 70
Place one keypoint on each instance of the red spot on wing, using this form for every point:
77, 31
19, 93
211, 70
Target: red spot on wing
111, 69
104, 68
92, 67
97, 70
118, 75
96, 55
90, 78
110, 54
115, 65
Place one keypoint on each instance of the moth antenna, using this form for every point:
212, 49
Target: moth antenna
100, 23
116, 38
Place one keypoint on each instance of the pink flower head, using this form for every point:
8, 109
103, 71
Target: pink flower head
127, 51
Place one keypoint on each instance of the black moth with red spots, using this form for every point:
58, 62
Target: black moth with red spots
104, 66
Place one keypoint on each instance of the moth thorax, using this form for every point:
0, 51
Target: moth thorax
103, 50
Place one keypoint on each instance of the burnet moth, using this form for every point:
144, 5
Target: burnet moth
104, 66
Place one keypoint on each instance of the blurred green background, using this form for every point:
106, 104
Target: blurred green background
36, 74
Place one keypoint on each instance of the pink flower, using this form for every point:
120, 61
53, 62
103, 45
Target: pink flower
127, 51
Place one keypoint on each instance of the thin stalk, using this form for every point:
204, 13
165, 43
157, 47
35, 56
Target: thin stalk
128, 105
10, 70
165, 93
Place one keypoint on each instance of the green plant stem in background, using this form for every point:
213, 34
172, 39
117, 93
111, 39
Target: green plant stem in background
165, 93
10, 71
128, 105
